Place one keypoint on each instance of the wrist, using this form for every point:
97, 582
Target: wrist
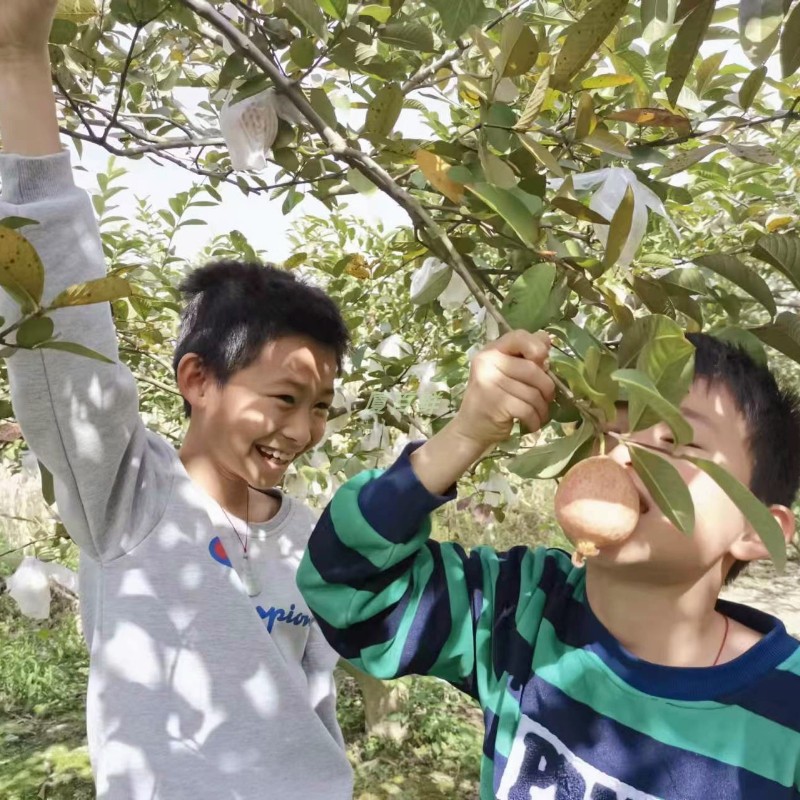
21, 60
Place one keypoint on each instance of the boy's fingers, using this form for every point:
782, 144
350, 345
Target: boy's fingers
524, 393
533, 346
526, 372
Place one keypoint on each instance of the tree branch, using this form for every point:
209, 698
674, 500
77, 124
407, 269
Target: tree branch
790, 115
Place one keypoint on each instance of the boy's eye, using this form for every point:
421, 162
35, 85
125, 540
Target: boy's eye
286, 398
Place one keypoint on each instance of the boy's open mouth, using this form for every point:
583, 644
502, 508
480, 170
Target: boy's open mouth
277, 457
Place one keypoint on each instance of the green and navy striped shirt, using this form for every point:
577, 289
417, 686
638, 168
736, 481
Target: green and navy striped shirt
569, 713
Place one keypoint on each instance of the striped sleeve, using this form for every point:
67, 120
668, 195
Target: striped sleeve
387, 598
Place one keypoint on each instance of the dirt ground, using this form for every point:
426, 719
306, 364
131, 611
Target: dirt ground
762, 588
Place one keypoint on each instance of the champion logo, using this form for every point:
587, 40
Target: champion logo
217, 550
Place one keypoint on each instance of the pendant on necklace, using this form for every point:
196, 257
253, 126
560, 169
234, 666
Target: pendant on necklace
251, 585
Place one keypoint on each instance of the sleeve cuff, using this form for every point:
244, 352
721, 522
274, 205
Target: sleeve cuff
26, 179
396, 502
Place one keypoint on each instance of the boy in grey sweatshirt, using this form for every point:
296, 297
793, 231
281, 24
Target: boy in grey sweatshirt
209, 677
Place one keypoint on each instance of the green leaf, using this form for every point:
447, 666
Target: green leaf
408, 35
335, 8
519, 49
620, 229
101, 290
578, 210
541, 154
310, 14
783, 334
782, 251
759, 27
666, 487
551, 459
757, 514
526, 305
584, 38
509, 207
658, 17
302, 52
708, 70
641, 390
76, 349
744, 277
457, 15
603, 394
745, 339
752, 83
495, 170
321, 103
384, 110
606, 142
48, 485
377, 12
607, 81
535, 102
21, 270
686, 159
16, 222
757, 153
34, 331
668, 358
686, 46
790, 42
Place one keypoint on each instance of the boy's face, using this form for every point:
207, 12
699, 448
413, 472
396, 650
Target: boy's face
269, 413
658, 551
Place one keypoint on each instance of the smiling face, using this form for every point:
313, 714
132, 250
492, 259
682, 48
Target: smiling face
657, 550
265, 415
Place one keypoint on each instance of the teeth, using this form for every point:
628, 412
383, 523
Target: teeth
277, 455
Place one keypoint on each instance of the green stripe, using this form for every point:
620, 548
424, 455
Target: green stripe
719, 735
457, 657
792, 664
383, 660
357, 534
343, 606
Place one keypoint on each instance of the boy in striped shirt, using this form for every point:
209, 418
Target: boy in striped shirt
624, 680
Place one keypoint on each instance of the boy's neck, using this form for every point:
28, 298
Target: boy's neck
231, 492
669, 624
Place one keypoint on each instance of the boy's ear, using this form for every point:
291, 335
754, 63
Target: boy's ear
192, 378
750, 547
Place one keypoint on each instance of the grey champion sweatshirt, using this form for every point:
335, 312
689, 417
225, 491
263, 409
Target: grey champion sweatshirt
196, 690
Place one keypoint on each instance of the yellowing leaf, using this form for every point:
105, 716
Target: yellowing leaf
584, 116
77, 11
535, 102
686, 46
686, 159
583, 39
21, 270
384, 110
774, 223
357, 267
518, 49
656, 117
435, 169
620, 228
607, 81
102, 290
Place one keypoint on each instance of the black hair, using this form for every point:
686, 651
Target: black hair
234, 308
771, 414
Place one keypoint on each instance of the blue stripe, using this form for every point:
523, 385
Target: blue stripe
340, 565
637, 759
381, 628
396, 503
770, 698
432, 621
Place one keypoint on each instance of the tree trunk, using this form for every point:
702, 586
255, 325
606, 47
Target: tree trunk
381, 698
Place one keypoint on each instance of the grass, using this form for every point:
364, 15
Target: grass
44, 665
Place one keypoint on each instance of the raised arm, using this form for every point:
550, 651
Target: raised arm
80, 416
385, 595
